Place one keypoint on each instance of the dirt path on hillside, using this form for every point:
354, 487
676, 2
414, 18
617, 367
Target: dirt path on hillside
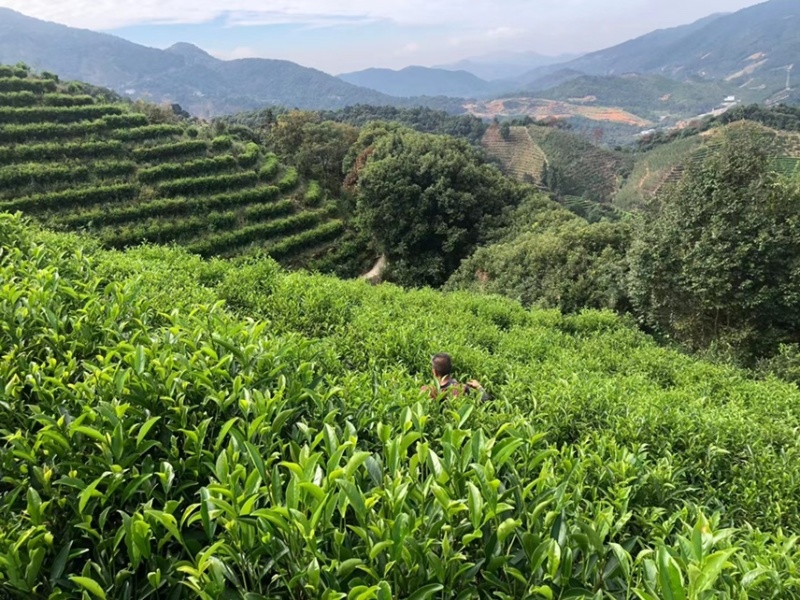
376, 273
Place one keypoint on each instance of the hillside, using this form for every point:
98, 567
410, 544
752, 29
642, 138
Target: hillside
184, 74
158, 444
653, 97
540, 108
750, 49
578, 168
77, 162
666, 163
520, 157
633, 56
421, 81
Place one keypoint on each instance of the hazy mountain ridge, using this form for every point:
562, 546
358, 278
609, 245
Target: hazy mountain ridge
497, 66
185, 74
750, 48
422, 81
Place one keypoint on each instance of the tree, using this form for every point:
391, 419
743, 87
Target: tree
551, 258
717, 262
426, 200
316, 148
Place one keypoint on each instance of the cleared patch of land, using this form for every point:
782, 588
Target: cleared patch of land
539, 108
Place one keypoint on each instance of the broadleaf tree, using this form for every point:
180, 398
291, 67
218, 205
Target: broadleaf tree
427, 201
717, 262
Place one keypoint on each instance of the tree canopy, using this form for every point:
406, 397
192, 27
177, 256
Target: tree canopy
718, 261
427, 200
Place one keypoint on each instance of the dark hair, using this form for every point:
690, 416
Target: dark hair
442, 364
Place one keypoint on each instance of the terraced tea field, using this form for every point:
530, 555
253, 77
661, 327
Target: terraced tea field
521, 158
75, 162
584, 169
665, 165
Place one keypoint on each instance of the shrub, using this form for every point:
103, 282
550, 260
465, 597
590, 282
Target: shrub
72, 198
173, 150
314, 194
208, 185
147, 132
205, 166
56, 114
222, 142
289, 181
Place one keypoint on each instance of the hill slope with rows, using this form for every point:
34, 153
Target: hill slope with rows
665, 164
75, 161
156, 443
576, 167
521, 158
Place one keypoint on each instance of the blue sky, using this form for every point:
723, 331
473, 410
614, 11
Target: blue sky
344, 35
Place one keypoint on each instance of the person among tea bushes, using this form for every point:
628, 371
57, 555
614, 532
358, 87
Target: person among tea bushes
442, 367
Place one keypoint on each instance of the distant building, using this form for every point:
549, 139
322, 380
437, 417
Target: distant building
730, 99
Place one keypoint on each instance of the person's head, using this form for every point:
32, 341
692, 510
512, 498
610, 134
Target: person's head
442, 365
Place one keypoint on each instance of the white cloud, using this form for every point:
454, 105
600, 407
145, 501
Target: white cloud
236, 53
444, 29
111, 14
408, 49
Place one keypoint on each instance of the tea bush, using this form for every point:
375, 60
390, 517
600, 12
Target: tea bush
179, 428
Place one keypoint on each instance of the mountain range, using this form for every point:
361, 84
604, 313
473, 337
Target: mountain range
423, 81
185, 74
751, 49
749, 54
499, 66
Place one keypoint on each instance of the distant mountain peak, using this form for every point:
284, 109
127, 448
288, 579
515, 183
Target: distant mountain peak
188, 50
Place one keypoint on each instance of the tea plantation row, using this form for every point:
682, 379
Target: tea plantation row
76, 161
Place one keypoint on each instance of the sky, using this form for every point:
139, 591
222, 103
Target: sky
338, 36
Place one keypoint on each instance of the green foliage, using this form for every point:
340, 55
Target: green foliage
717, 263
576, 167
314, 194
156, 444
249, 158
18, 176
289, 181
426, 200
18, 99
321, 234
655, 169
126, 122
48, 131
37, 86
207, 185
147, 132
552, 260
424, 120
205, 166
224, 242
56, 151
56, 114
73, 198
61, 99
270, 168
169, 151
222, 142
